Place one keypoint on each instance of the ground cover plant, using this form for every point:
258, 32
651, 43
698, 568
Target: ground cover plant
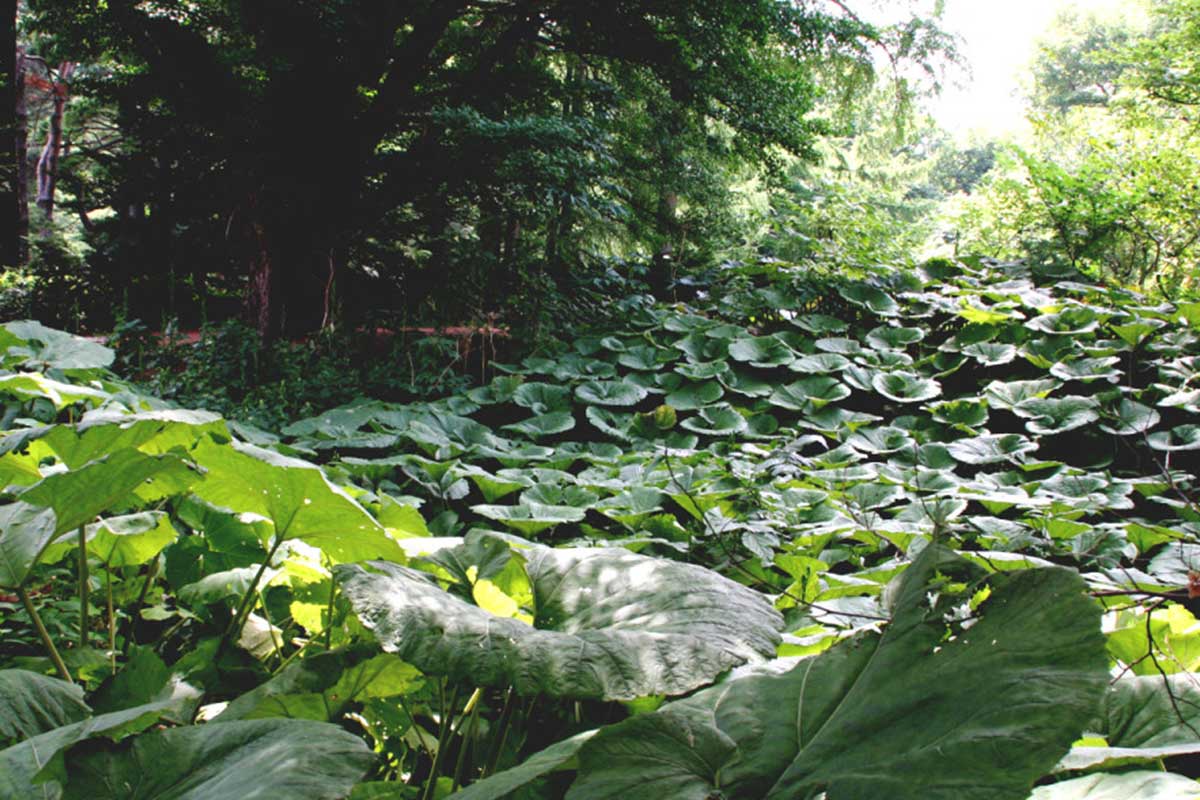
926, 534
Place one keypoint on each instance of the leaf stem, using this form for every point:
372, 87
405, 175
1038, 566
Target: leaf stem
502, 725
465, 741
447, 722
112, 620
243, 612
329, 610
151, 573
44, 634
84, 587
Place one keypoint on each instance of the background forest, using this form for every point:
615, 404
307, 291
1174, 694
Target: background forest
639, 400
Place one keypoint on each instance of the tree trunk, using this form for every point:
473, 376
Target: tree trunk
9, 67
662, 270
21, 151
47, 166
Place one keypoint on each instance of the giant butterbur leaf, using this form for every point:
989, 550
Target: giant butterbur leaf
610, 393
530, 518
46, 348
544, 424
278, 758
609, 624
79, 495
1144, 718
812, 393
31, 704
905, 387
761, 351
295, 496
875, 299
931, 709
1057, 415
991, 448
25, 532
1125, 786
1181, 437
718, 420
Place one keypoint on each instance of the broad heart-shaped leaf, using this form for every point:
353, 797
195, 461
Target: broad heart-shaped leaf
905, 387
877, 300
46, 348
321, 686
1181, 437
1130, 417
810, 393
691, 396
297, 498
991, 354
544, 424
991, 448
1123, 786
1057, 415
1144, 718
761, 351
30, 385
278, 758
610, 393
530, 518
31, 704
928, 710
79, 495
554, 758
33, 768
610, 625
1007, 395
125, 541
718, 420
102, 432
543, 398
25, 531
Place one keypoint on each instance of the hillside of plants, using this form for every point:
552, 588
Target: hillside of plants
466, 399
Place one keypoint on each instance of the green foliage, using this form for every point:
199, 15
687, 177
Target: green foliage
813, 534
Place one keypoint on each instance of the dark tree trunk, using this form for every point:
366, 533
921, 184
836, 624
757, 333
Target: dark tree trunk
47, 166
21, 151
662, 273
10, 59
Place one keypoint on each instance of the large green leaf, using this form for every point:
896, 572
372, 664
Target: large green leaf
34, 769
991, 448
555, 758
761, 351
1144, 719
31, 704
530, 518
25, 532
1057, 415
905, 387
609, 624
1125, 786
610, 393
46, 348
125, 541
716, 420
102, 432
279, 758
931, 708
809, 394
79, 495
295, 496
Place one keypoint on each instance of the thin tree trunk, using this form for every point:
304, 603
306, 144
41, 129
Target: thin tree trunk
21, 152
10, 60
47, 166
